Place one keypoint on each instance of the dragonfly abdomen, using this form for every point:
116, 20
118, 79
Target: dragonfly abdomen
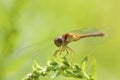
100, 34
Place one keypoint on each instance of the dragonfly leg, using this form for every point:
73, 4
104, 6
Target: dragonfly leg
58, 52
70, 50
67, 52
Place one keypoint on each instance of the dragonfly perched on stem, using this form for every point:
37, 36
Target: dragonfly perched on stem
67, 38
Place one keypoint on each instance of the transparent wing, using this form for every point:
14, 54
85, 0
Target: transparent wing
35, 49
95, 40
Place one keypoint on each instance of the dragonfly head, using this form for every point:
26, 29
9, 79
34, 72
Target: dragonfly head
58, 41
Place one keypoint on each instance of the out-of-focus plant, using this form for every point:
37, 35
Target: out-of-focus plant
8, 33
63, 67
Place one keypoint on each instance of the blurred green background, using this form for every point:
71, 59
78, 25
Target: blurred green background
35, 23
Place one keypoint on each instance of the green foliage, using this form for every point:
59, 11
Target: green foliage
61, 66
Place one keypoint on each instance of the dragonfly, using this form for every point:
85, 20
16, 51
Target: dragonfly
63, 41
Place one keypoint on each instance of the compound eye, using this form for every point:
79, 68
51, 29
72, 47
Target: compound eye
58, 41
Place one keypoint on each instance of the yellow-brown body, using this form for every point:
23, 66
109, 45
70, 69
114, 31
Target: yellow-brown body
66, 38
